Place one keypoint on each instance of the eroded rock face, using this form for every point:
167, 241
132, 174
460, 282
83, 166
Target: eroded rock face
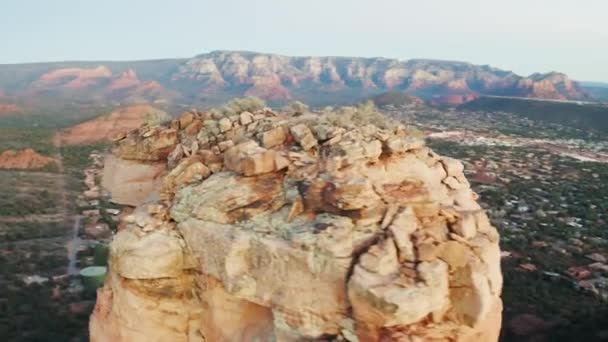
275, 229
112, 125
131, 182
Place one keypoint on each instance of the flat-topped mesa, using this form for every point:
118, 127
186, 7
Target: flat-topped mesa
263, 227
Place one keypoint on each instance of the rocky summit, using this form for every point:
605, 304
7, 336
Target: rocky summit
262, 227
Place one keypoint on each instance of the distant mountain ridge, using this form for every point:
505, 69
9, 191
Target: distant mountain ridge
213, 77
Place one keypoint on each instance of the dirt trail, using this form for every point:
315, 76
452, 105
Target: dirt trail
74, 242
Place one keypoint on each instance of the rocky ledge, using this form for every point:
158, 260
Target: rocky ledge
259, 227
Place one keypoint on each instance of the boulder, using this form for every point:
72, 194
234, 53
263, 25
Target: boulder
303, 136
151, 144
274, 137
131, 182
249, 159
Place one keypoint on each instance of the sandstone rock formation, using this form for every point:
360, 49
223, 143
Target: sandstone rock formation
94, 83
24, 160
72, 78
266, 228
284, 77
218, 75
113, 125
553, 85
131, 182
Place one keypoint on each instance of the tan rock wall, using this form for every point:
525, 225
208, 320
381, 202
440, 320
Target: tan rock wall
130, 182
310, 232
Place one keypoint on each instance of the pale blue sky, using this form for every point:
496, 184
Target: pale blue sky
520, 35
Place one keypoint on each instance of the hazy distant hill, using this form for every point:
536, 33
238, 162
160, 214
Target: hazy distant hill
216, 76
584, 116
597, 89
397, 99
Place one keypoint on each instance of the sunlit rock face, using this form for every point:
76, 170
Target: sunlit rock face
267, 228
277, 77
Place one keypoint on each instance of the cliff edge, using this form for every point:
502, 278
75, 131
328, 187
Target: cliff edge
260, 227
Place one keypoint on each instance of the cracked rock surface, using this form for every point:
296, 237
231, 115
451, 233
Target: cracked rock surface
267, 228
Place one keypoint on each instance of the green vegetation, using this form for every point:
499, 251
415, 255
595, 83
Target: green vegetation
34, 313
52, 115
39, 139
395, 98
33, 237
53, 310
75, 160
29, 193
30, 207
317, 96
101, 254
360, 115
156, 117
239, 105
550, 212
296, 108
104, 205
568, 189
589, 117
76, 157
35, 229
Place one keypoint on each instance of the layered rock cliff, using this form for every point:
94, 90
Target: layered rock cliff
109, 126
219, 75
98, 83
258, 227
287, 77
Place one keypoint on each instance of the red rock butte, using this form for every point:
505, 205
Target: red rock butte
106, 127
23, 160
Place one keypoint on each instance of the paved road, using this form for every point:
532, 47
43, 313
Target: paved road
73, 246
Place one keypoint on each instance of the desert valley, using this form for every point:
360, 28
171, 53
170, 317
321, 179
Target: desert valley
318, 198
